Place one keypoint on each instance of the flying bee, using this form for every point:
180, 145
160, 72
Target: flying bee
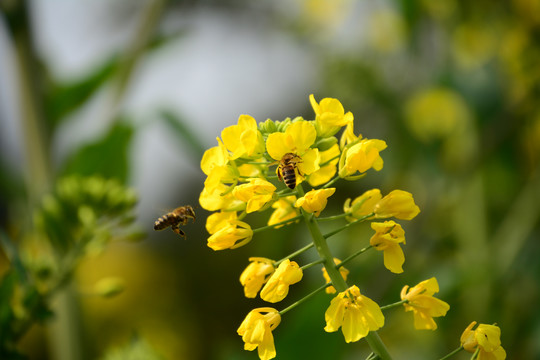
287, 168
175, 218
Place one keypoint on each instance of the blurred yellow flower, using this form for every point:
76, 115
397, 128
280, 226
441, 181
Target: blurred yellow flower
297, 139
436, 113
330, 116
315, 201
256, 193
233, 234
388, 236
387, 31
243, 139
355, 313
424, 306
256, 331
344, 273
473, 44
110, 286
485, 337
277, 287
284, 210
399, 204
255, 275
361, 157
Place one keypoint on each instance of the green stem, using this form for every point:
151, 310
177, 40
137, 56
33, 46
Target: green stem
332, 233
389, 306
322, 248
452, 353
307, 266
305, 298
334, 217
285, 222
137, 48
349, 258
331, 182
338, 282
329, 161
296, 253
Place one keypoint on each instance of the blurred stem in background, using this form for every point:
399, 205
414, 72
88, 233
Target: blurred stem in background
36, 145
66, 338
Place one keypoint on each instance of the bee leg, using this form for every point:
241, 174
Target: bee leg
278, 172
179, 231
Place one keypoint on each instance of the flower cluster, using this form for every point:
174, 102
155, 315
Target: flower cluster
265, 167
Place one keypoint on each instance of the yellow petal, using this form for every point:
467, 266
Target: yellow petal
276, 145
394, 259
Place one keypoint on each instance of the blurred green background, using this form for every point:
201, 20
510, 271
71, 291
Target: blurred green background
137, 90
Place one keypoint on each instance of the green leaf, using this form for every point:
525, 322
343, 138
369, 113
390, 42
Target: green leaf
107, 156
64, 98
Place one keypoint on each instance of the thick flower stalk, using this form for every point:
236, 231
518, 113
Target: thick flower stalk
486, 339
342, 270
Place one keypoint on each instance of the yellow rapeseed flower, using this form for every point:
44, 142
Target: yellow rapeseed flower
277, 287
255, 275
388, 236
486, 338
297, 139
361, 157
348, 136
330, 116
363, 205
219, 197
327, 171
244, 139
233, 234
215, 156
344, 273
218, 220
424, 306
355, 313
314, 201
284, 210
256, 193
256, 331
399, 204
